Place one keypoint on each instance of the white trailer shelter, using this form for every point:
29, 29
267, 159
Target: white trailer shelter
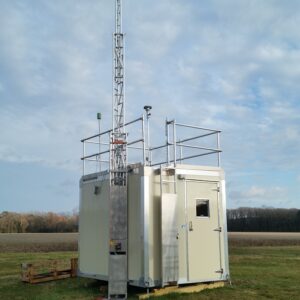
176, 213
148, 218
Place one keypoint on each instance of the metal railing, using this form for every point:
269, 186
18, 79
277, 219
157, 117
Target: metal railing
104, 139
173, 144
175, 149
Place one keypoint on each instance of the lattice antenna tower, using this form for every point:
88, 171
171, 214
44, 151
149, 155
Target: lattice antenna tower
118, 139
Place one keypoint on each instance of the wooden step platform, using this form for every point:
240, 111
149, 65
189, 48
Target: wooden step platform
48, 270
182, 289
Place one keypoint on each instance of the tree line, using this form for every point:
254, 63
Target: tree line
263, 219
239, 219
11, 222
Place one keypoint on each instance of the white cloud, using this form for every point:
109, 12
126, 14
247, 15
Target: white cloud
224, 64
258, 196
262, 192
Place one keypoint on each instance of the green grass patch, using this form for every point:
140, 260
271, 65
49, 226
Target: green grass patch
256, 272
11, 286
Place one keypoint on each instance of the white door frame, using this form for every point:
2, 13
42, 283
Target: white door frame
187, 228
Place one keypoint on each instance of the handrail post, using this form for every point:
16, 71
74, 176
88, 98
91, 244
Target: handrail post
147, 109
83, 161
180, 152
110, 150
167, 141
174, 142
218, 147
143, 134
99, 127
148, 139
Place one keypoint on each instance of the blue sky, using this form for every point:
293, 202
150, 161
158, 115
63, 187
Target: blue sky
232, 65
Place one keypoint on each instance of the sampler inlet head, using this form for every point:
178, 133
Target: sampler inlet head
147, 108
98, 116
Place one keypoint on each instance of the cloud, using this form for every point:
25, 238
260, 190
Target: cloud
152, 34
223, 64
255, 192
11, 155
276, 196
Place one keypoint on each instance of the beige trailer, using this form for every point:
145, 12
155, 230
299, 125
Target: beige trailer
177, 230
173, 214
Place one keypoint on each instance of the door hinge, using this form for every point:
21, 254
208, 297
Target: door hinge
221, 271
218, 229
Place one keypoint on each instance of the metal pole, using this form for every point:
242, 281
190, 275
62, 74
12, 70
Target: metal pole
218, 147
119, 136
167, 140
83, 162
147, 109
99, 127
143, 134
180, 152
110, 156
148, 139
117, 264
175, 143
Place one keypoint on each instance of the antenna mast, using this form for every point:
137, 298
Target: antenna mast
119, 151
117, 265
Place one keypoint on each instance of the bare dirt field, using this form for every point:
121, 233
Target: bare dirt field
264, 238
265, 235
48, 242
38, 242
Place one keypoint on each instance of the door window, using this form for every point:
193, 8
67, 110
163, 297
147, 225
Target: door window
202, 207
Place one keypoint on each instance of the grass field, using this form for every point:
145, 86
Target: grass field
264, 272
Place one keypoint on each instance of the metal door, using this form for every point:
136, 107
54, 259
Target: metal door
203, 231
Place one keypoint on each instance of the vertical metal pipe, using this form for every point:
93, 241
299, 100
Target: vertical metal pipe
110, 135
174, 142
113, 82
147, 114
143, 135
180, 152
167, 141
161, 185
99, 127
148, 139
218, 147
83, 161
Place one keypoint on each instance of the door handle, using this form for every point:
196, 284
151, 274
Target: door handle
191, 226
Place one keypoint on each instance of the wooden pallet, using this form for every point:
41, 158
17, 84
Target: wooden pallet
182, 289
48, 270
